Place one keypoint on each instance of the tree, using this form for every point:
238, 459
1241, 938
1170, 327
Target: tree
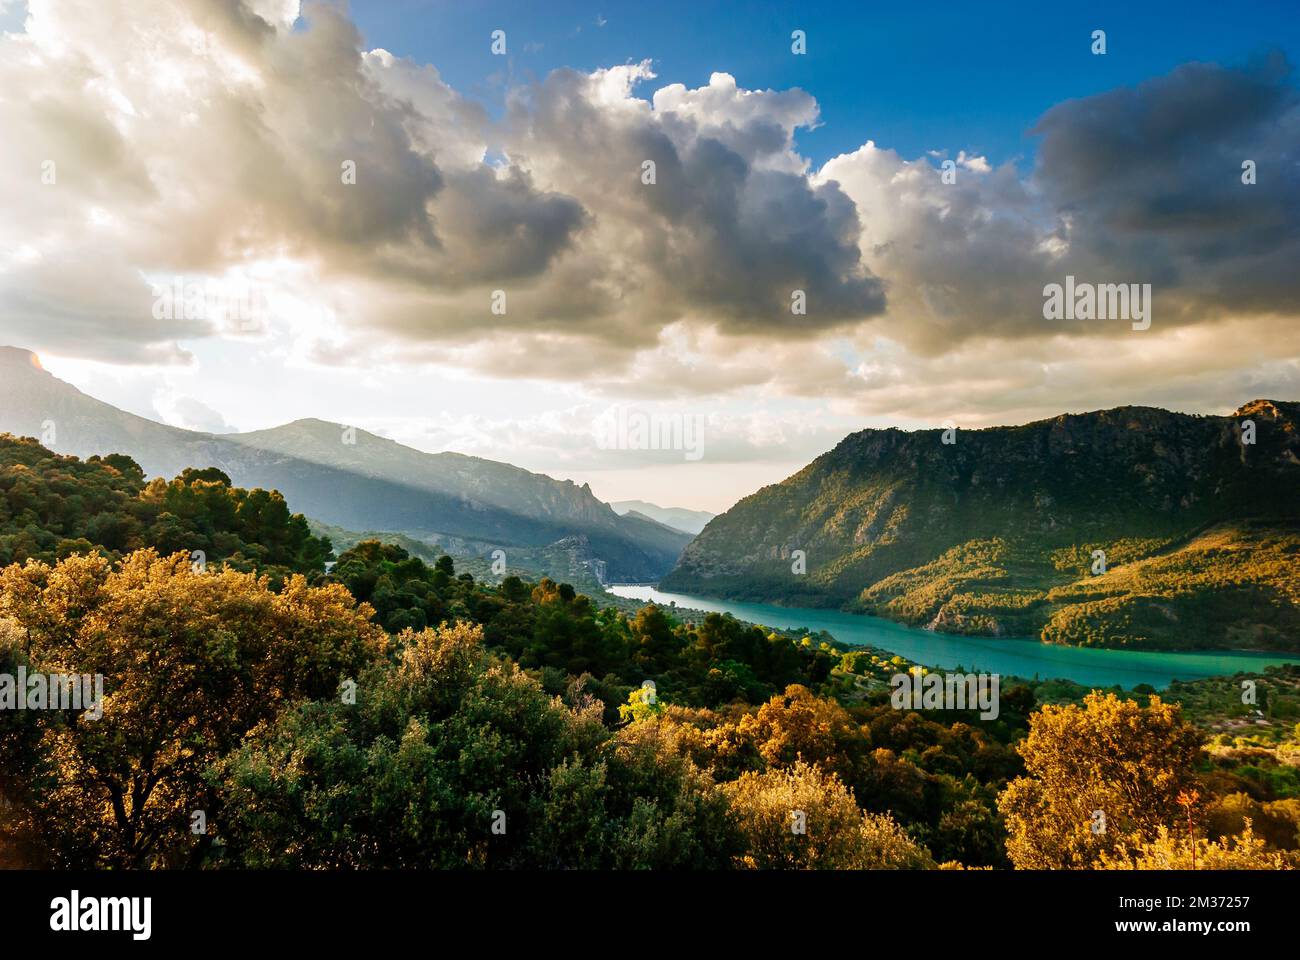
668, 813
189, 662
1101, 774
51, 506
798, 725
968, 829
1275, 822
805, 819
438, 764
654, 645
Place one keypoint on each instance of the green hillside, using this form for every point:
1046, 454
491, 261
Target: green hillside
53, 506
996, 532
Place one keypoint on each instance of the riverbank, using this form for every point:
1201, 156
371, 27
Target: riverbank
1021, 657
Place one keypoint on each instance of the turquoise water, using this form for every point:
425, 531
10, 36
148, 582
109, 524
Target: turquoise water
1020, 657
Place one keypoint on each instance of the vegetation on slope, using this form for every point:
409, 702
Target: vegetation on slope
52, 506
400, 714
348, 477
1131, 527
1232, 586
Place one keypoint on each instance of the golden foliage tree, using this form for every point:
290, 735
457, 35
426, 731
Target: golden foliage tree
1099, 774
190, 662
801, 725
805, 819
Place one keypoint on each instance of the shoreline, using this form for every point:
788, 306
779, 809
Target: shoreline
1202, 651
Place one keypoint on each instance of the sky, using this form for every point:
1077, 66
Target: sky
227, 216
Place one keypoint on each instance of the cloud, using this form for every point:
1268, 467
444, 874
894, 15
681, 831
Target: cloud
585, 437
1137, 185
960, 260
208, 138
187, 412
1208, 368
728, 229
1151, 179
211, 141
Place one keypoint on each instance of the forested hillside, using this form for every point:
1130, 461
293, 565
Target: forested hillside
394, 713
52, 506
1131, 527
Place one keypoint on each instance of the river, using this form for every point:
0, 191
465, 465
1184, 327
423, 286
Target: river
1002, 655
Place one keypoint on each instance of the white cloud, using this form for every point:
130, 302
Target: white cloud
188, 413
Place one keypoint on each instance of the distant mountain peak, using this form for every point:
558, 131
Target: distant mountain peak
312, 426
675, 518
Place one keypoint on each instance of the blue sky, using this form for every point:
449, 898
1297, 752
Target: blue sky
912, 76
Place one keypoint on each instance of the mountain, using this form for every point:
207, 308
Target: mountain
679, 518
995, 533
347, 477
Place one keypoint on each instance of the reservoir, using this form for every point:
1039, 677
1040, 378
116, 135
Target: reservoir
1002, 655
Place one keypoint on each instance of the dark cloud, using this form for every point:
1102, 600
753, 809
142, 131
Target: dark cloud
727, 230
1151, 177
1138, 185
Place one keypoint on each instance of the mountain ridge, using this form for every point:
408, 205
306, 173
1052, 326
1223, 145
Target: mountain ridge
343, 476
679, 518
987, 533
